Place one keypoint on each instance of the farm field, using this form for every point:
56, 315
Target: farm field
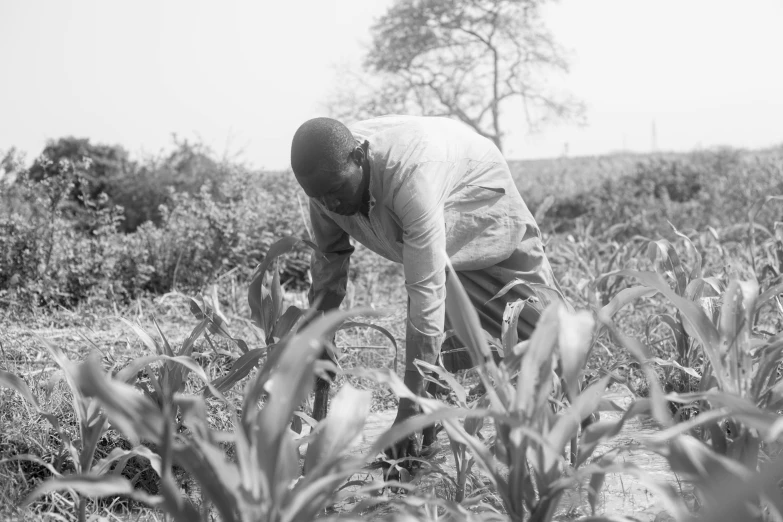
672, 262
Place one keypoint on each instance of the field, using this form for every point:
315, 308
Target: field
134, 365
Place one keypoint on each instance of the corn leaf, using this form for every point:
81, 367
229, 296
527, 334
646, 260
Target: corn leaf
145, 338
132, 413
288, 322
349, 411
256, 291
216, 322
697, 324
567, 424
574, 340
442, 373
276, 293
130, 371
665, 258
90, 485
9, 380
508, 332
690, 371
239, 370
511, 284
534, 381
465, 320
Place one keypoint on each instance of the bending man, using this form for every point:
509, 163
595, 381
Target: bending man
413, 190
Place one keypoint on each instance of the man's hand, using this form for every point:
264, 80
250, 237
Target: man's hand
405, 453
408, 452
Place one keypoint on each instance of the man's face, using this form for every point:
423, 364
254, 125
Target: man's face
340, 192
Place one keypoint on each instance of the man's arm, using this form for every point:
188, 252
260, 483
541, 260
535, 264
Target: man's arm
419, 206
329, 269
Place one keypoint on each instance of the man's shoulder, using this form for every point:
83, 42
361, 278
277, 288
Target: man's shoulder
385, 124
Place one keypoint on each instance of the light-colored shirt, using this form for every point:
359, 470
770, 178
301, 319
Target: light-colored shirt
435, 186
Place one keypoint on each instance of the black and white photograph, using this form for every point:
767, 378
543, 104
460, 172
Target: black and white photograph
391, 260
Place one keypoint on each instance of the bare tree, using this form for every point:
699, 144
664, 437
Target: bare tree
459, 58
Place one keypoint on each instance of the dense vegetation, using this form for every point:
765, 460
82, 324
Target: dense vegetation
674, 260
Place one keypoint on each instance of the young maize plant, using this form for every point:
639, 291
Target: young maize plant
739, 392
528, 465
266, 481
89, 478
266, 313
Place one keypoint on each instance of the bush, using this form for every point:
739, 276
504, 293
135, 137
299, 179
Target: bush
692, 192
59, 248
52, 251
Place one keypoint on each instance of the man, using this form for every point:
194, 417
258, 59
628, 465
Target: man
417, 190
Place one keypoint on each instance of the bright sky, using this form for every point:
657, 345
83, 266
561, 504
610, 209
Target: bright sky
242, 75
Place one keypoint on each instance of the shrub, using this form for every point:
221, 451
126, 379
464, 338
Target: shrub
694, 191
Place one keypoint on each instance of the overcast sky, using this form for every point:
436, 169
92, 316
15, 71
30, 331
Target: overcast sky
242, 75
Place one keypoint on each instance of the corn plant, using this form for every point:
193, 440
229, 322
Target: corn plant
172, 376
88, 477
265, 482
589, 256
689, 285
266, 313
777, 237
531, 433
733, 424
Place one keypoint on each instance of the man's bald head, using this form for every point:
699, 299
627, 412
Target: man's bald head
331, 166
321, 146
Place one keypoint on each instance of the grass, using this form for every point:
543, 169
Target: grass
583, 249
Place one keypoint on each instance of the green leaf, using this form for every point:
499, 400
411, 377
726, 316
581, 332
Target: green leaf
625, 297
187, 345
534, 382
256, 290
94, 486
567, 424
690, 371
288, 385
349, 411
33, 458
511, 284
276, 293
130, 371
465, 320
216, 322
602, 430
594, 489
239, 370
696, 271
218, 478
144, 336
442, 373
666, 260
697, 324
508, 332
288, 322
768, 295
132, 413
574, 339
9, 380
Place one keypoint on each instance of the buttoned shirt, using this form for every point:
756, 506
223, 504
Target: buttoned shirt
437, 189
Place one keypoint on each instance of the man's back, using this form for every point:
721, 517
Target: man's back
436, 172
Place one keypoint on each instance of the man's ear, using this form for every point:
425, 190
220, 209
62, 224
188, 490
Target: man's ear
358, 155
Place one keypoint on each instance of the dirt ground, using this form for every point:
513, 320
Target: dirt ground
622, 494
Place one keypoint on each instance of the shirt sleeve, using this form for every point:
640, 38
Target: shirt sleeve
418, 204
329, 269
